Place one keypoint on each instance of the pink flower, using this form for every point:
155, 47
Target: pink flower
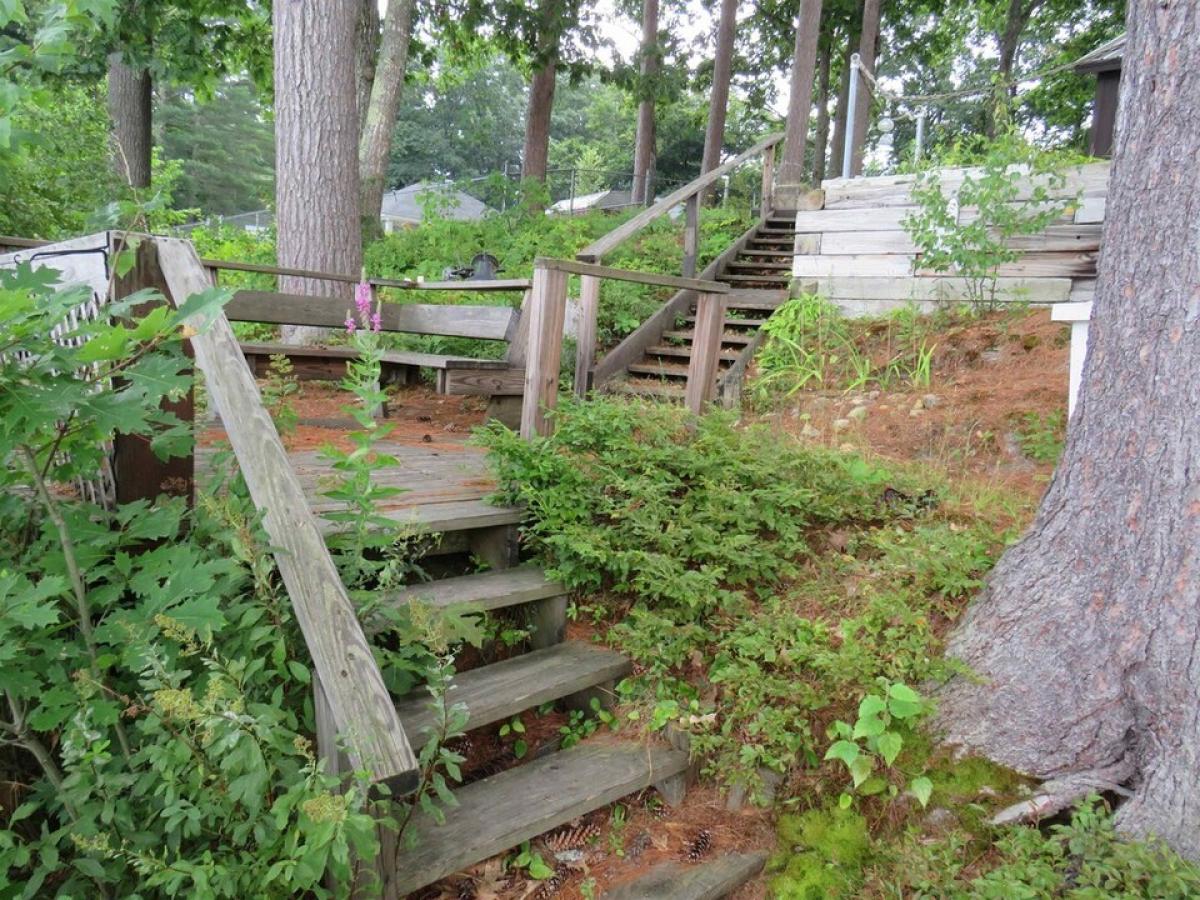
376, 320
350, 324
362, 300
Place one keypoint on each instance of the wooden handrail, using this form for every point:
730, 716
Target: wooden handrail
500, 284
596, 250
574, 267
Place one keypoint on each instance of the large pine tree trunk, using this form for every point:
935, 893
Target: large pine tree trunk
316, 148
804, 64
1087, 634
129, 110
718, 101
868, 43
376, 142
821, 141
643, 147
365, 54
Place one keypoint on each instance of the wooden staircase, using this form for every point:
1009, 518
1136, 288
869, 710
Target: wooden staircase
497, 813
758, 272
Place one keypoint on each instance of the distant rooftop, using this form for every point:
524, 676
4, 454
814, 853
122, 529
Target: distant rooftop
406, 203
1106, 57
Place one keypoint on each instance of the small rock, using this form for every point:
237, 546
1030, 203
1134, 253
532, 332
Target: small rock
841, 424
809, 432
931, 400
858, 413
987, 791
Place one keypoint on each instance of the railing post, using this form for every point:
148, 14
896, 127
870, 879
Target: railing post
547, 312
691, 235
585, 341
768, 178
848, 151
706, 350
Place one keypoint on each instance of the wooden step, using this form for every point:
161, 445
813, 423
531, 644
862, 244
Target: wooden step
484, 590
788, 232
754, 279
505, 689
651, 389
726, 338
685, 351
659, 369
676, 881
751, 264
733, 320
767, 254
751, 299
443, 518
500, 812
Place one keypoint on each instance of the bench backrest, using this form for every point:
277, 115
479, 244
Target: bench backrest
495, 323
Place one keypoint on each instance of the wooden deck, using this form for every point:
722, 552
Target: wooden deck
444, 482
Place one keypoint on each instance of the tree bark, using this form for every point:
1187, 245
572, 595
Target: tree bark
366, 52
129, 110
316, 148
1009, 41
1088, 631
868, 45
718, 102
804, 64
536, 154
644, 143
821, 141
376, 142
837, 152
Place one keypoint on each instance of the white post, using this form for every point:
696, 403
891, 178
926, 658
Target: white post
848, 151
1078, 315
920, 134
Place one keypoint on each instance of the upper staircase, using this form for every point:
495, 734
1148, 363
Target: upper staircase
758, 273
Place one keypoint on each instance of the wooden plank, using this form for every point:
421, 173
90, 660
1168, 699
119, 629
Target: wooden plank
1054, 265
768, 179
1033, 290
501, 285
483, 590
439, 518
831, 220
502, 811
396, 357
1083, 290
479, 382
362, 710
585, 340
505, 689
498, 284
598, 249
138, 473
452, 320
845, 243
708, 881
859, 265
807, 244
547, 311
706, 352
574, 267
1090, 211
691, 237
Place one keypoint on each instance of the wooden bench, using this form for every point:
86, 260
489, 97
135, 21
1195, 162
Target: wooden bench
456, 375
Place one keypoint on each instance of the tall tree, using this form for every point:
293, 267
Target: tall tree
535, 154
129, 110
379, 120
804, 64
1087, 635
644, 144
316, 147
718, 98
821, 140
868, 48
366, 54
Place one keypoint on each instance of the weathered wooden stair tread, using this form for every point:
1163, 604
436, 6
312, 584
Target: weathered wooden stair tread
683, 350
504, 689
640, 387
707, 881
726, 338
757, 264
769, 279
502, 811
459, 515
734, 320
665, 370
484, 590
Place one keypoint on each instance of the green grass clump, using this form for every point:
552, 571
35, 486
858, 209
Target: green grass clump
822, 856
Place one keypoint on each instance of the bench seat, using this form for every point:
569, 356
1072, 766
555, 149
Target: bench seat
329, 363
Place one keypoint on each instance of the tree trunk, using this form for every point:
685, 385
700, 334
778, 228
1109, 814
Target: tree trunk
837, 152
1009, 40
868, 43
366, 52
821, 142
1087, 635
643, 148
804, 64
714, 134
129, 105
376, 143
316, 149
536, 154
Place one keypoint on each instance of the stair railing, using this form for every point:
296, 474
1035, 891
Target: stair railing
691, 195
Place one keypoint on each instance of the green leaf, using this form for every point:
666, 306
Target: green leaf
846, 751
922, 789
538, 869
903, 701
299, 671
871, 705
868, 726
861, 768
889, 745
845, 801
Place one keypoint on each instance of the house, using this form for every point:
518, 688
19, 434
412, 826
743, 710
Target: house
406, 206
1105, 62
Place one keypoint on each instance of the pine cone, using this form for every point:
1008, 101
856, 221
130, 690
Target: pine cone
639, 845
553, 884
572, 838
698, 846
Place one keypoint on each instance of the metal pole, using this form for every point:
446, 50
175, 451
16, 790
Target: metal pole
920, 134
572, 205
848, 149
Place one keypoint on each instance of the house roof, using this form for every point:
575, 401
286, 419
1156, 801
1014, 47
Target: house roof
1105, 58
600, 200
406, 203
